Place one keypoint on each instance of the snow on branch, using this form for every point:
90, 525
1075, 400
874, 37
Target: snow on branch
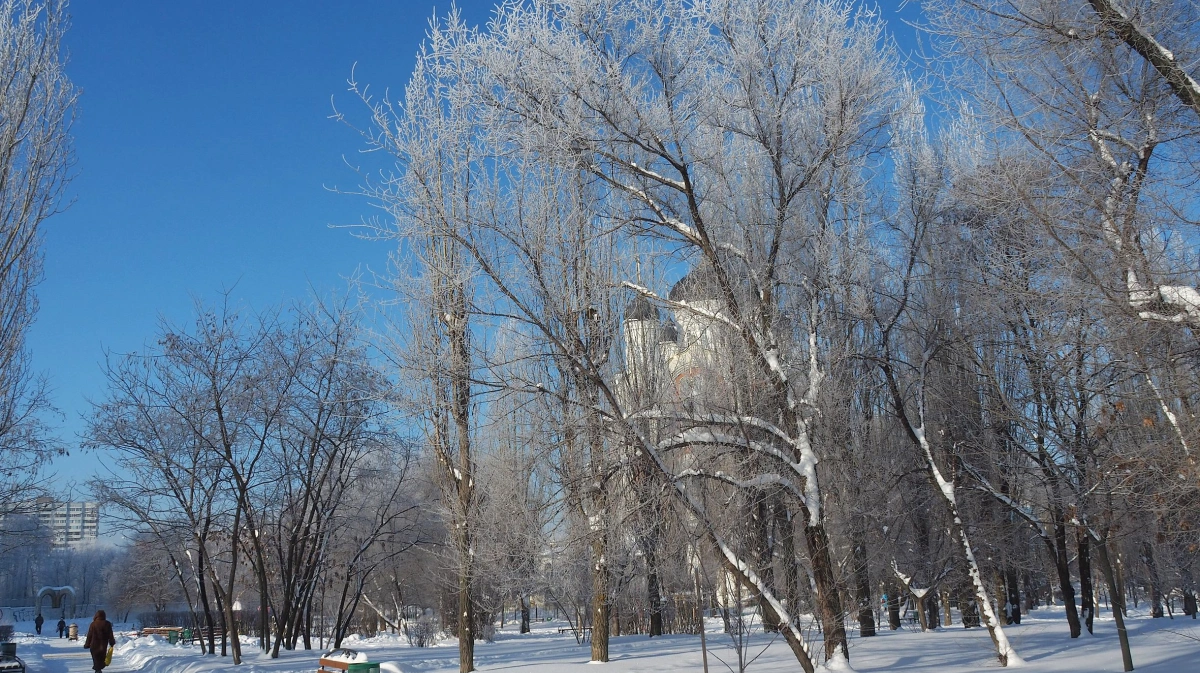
705, 436
1119, 21
633, 166
1023, 512
686, 306
907, 581
1183, 298
678, 226
805, 468
758, 481
1171, 417
752, 578
718, 419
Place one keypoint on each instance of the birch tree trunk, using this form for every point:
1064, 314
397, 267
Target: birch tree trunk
1004, 650
1005, 653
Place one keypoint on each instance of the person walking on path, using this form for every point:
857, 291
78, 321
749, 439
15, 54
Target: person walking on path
37, 623
62, 628
99, 639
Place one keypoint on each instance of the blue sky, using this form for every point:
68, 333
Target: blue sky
204, 154
204, 150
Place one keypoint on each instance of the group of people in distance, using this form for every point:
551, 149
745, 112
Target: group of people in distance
39, 620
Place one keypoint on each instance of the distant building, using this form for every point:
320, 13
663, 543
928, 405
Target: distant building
68, 522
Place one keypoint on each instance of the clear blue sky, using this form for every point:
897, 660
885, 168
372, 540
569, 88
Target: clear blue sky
204, 150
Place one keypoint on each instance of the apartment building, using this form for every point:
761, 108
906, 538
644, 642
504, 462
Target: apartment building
68, 522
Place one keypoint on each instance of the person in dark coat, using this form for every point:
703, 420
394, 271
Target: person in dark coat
62, 628
37, 623
99, 638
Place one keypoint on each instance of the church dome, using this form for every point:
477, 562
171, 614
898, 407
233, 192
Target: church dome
669, 333
641, 309
697, 285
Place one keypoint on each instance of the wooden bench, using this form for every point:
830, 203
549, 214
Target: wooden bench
201, 634
161, 631
587, 631
328, 665
334, 665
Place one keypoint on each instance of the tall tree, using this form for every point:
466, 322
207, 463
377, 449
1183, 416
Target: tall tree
732, 135
37, 104
434, 345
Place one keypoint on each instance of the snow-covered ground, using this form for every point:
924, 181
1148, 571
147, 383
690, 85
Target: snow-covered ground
1159, 646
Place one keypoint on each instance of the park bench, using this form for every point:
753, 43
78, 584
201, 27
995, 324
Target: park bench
345, 661
173, 634
160, 630
202, 634
576, 631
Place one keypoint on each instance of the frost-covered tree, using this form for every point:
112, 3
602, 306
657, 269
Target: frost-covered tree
1110, 126
730, 137
37, 103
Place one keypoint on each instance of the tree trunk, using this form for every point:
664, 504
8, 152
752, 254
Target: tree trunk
1120, 579
700, 609
466, 621
829, 602
308, 620
792, 572
1087, 593
862, 577
264, 607
1112, 578
761, 523
208, 618
221, 614
463, 475
893, 608
1063, 568
1004, 650
283, 624
653, 591
1012, 610
923, 613
1030, 596
524, 614
599, 600
1156, 595
230, 634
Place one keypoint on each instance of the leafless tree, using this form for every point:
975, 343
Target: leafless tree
267, 441
37, 103
435, 346
728, 134
1089, 99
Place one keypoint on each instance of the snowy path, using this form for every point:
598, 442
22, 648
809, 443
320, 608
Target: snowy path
59, 655
1159, 646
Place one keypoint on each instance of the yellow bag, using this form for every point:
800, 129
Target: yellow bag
108, 656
